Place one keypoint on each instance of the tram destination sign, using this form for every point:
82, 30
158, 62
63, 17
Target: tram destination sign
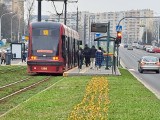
99, 27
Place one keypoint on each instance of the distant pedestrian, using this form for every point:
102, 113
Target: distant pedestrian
3, 57
99, 58
87, 55
23, 56
92, 56
80, 56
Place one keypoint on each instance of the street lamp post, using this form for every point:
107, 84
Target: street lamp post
90, 41
158, 32
146, 36
1, 24
11, 26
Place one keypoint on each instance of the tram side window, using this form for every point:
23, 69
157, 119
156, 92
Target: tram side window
63, 46
68, 46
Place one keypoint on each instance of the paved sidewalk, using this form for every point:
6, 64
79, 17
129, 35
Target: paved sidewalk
15, 62
18, 62
88, 71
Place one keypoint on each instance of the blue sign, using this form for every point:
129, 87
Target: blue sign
23, 37
98, 34
119, 28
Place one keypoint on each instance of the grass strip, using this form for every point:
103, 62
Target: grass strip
20, 98
129, 100
55, 103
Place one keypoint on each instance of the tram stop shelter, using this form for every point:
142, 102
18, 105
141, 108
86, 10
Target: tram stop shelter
109, 66
109, 57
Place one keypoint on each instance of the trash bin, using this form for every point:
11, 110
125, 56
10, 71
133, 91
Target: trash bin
8, 58
13, 55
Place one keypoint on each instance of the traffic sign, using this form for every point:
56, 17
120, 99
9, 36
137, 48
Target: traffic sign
23, 37
119, 28
98, 34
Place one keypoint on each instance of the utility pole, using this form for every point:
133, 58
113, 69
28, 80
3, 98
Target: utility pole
146, 36
77, 20
39, 10
84, 29
158, 32
19, 29
65, 13
89, 32
146, 33
108, 42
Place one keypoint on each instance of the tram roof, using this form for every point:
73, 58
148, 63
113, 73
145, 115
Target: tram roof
48, 24
45, 24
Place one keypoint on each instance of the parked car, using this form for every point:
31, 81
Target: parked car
125, 46
149, 63
151, 50
156, 50
147, 47
130, 47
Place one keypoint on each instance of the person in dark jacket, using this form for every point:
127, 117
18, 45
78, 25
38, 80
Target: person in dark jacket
87, 55
99, 58
92, 56
80, 57
23, 56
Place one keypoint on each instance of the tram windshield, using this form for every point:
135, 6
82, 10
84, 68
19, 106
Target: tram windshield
45, 42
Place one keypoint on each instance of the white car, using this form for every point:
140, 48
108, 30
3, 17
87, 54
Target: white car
129, 47
149, 63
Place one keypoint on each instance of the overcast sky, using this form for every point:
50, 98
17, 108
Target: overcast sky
102, 5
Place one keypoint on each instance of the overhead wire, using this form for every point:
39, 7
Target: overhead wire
56, 9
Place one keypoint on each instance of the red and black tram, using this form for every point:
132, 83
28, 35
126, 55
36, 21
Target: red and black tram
52, 48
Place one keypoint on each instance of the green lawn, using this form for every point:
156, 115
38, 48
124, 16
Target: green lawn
129, 100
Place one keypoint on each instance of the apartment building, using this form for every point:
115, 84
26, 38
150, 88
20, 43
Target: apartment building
132, 28
156, 30
18, 7
135, 27
7, 3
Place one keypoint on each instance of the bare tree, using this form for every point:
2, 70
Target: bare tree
29, 10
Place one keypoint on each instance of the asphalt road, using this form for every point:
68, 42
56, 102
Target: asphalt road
130, 59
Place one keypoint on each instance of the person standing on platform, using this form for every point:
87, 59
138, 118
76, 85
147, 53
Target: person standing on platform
3, 57
80, 57
92, 56
23, 56
99, 58
87, 55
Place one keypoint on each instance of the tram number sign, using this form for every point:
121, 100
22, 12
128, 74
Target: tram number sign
99, 27
45, 32
43, 68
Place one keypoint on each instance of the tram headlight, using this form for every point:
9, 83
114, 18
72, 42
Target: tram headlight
55, 58
33, 57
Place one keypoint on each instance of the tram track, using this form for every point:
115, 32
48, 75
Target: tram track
13, 83
22, 89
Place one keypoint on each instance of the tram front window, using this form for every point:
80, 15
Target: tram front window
45, 42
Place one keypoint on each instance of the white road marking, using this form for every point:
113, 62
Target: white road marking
132, 69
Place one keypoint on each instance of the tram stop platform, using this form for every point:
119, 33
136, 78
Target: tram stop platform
15, 62
88, 71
